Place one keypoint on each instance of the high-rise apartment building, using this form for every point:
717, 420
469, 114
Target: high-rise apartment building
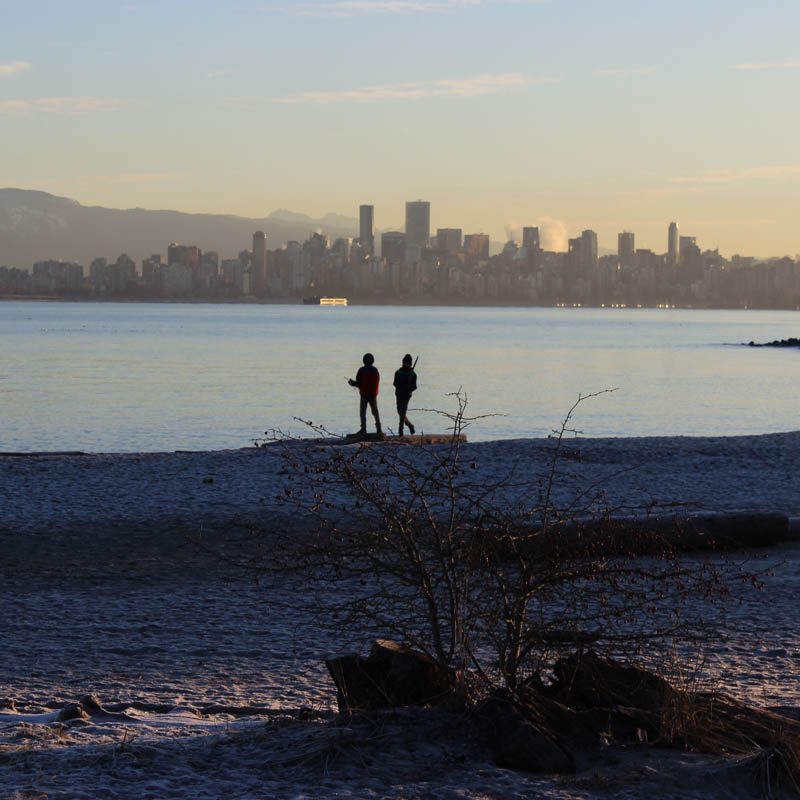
626, 248
673, 244
393, 247
530, 238
477, 245
366, 219
448, 239
589, 250
258, 264
418, 229
185, 254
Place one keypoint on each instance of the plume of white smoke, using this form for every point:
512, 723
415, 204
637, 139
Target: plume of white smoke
553, 234
513, 231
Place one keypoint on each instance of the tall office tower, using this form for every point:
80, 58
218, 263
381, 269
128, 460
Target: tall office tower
393, 247
448, 239
418, 223
589, 251
477, 245
626, 248
673, 244
259, 261
366, 218
530, 238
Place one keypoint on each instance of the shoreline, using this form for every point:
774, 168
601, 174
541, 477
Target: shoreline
459, 302
441, 439
750, 473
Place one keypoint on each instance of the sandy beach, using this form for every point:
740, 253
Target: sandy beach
210, 688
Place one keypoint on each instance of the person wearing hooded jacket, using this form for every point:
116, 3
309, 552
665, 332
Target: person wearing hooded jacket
405, 383
368, 382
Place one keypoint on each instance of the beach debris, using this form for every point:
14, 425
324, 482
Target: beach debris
593, 702
392, 675
681, 533
587, 680
516, 742
89, 707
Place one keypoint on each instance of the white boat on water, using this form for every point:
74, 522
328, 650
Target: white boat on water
325, 301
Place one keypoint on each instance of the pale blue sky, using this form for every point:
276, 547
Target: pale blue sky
603, 114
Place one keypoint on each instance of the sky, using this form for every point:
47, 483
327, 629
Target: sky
610, 115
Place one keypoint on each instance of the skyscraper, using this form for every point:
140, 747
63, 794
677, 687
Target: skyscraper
393, 246
626, 248
589, 251
366, 218
448, 239
477, 245
673, 244
259, 262
530, 238
418, 228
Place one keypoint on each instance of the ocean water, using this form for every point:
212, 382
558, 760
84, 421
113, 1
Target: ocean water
124, 377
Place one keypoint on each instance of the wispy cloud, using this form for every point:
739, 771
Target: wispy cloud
742, 174
61, 105
349, 8
623, 72
787, 63
418, 90
13, 68
218, 73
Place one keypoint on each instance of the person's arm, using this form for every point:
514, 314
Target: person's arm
357, 381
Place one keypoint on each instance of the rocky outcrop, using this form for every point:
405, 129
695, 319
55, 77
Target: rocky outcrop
791, 342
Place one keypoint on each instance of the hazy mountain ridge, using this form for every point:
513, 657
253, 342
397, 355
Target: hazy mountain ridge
36, 225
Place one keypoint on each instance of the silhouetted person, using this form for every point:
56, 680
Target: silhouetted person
405, 382
368, 380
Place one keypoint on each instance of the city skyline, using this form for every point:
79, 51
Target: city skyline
414, 266
418, 216
564, 114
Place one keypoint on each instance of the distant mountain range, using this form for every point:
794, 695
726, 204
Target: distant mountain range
35, 226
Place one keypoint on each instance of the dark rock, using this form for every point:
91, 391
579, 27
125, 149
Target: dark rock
517, 743
392, 675
588, 681
72, 711
790, 342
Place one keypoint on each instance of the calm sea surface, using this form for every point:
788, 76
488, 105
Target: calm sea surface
107, 377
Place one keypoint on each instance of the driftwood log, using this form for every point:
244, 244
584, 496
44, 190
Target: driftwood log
593, 701
392, 675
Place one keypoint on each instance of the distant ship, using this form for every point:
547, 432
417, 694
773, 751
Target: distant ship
325, 301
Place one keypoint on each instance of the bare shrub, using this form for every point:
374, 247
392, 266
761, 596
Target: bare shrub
496, 578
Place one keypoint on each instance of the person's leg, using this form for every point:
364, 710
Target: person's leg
373, 404
402, 407
362, 410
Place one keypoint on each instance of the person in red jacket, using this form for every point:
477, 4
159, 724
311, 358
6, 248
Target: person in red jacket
368, 380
